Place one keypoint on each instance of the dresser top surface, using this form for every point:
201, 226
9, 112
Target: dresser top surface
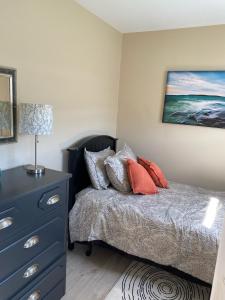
16, 182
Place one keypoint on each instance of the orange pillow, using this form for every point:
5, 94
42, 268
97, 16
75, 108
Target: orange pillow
140, 181
155, 172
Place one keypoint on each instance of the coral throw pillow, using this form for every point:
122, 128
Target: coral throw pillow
155, 172
140, 181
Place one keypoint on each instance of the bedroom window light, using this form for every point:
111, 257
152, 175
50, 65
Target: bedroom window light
211, 212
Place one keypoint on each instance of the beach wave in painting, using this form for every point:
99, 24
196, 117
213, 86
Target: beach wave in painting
202, 110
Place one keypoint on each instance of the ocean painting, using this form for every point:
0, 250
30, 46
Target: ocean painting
195, 98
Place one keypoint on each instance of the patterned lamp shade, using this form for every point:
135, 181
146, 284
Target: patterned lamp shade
5, 115
35, 119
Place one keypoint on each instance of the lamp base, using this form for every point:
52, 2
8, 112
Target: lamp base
32, 169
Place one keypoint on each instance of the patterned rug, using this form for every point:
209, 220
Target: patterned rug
144, 282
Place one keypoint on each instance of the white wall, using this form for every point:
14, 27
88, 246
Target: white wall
66, 57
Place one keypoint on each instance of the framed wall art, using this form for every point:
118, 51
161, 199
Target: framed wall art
195, 98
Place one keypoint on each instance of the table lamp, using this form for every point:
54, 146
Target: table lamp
35, 119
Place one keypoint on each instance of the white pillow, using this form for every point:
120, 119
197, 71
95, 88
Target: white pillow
96, 168
116, 169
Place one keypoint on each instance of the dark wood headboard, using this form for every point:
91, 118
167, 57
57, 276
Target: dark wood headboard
76, 163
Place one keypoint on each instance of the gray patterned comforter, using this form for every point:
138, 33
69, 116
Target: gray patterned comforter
179, 227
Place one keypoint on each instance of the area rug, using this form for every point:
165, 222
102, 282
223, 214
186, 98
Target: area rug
144, 282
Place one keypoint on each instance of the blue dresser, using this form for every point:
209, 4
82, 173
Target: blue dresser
33, 231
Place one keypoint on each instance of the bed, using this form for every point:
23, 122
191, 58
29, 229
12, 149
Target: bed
179, 227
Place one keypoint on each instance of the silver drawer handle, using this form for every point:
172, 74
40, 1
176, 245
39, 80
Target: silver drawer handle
6, 222
53, 200
30, 271
34, 240
35, 296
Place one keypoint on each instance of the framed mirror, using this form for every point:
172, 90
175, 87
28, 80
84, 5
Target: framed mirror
8, 132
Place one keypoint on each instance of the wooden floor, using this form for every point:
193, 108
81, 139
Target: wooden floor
91, 278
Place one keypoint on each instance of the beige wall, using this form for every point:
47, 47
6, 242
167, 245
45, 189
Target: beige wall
66, 57
187, 154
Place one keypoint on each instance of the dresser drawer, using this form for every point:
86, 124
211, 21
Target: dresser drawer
57, 293
51, 286
29, 210
23, 250
30, 271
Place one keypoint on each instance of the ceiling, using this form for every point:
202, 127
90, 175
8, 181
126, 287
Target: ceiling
149, 15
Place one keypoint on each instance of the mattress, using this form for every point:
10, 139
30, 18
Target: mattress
179, 227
